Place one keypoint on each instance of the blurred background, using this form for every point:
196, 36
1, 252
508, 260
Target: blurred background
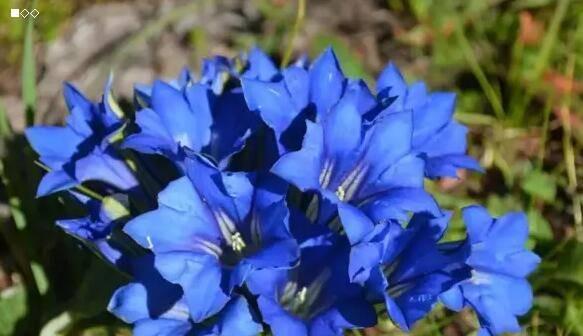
516, 65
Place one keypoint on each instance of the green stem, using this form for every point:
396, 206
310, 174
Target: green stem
542, 59
297, 25
569, 153
470, 57
545, 130
29, 72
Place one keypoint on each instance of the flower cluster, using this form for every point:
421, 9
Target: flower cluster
257, 199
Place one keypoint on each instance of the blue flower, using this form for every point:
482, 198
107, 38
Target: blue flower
143, 92
406, 268
193, 117
81, 150
370, 166
280, 97
95, 230
497, 289
435, 133
287, 98
212, 229
216, 72
315, 298
157, 307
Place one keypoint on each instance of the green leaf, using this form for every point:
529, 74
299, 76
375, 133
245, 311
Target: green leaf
540, 185
498, 206
573, 314
540, 228
40, 277
90, 300
5, 128
29, 73
570, 264
101, 280
12, 308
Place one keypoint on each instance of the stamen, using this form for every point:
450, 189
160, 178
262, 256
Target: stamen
209, 247
340, 193
349, 186
326, 173
289, 292
301, 303
229, 231
237, 242
302, 295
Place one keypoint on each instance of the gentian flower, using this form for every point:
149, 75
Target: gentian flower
143, 92
193, 117
95, 230
406, 268
317, 297
81, 150
285, 99
157, 307
498, 289
436, 135
215, 73
224, 251
280, 97
220, 229
348, 162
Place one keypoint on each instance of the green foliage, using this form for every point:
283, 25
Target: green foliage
12, 309
541, 185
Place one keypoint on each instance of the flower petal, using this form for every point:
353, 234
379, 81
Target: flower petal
200, 277
302, 168
326, 82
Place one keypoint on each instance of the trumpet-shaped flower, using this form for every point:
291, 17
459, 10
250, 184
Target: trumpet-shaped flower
435, 133
95, 229
81, 150
286, 99
497, 289
216, 72
193, 117
157, 307
406, 268
369, 166
212, 229
317, 297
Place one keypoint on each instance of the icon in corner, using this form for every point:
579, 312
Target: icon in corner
16, 13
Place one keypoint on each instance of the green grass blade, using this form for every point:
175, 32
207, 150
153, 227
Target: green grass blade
472, 60
542, 59
29, 73
5, 127
301, 13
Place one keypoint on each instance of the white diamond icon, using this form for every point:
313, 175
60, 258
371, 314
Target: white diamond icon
34, 13
24, 13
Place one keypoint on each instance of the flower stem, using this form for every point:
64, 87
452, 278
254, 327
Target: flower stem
470, 57
298, 23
